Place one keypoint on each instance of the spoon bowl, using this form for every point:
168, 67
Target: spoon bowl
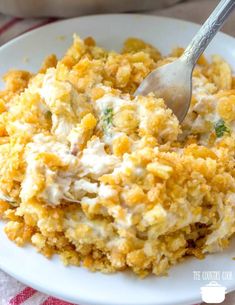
173, 81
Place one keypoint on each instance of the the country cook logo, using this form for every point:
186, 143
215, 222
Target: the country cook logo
213, 292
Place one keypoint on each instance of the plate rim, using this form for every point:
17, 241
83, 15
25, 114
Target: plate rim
54, 24
68, 20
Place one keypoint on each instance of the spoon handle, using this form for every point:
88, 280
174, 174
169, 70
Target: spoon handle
208, 31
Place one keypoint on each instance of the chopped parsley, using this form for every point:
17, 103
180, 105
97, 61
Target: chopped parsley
221, 128
107, 118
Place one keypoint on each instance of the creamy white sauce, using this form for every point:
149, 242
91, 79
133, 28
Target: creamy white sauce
111, 135
52, 90
43, 143
64, 102
120, 222
75, 137
106, 191
56, 182
61, 127
89, 201
86, 186
110, 101
55, 191
23, 127
95, 160
115, 103
127, 165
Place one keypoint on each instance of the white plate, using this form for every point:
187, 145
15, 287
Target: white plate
77, 284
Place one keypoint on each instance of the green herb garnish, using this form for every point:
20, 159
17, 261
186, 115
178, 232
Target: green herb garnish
107, 118
221, 128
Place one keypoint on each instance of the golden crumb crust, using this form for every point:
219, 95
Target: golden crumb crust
110, 181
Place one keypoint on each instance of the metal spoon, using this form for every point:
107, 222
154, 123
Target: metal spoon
173, 82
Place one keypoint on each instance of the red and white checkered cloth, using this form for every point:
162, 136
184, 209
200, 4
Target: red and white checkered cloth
11, 291
11, 27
